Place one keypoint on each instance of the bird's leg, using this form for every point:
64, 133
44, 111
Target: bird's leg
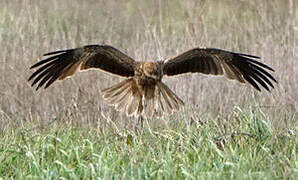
140, 123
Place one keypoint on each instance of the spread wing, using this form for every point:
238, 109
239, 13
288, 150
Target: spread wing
64, 63
240, 67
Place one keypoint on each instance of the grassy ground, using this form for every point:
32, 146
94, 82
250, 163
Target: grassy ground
227, 130
243, 146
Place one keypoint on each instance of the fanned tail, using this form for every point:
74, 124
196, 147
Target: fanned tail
125, 96
159, 100
155, 100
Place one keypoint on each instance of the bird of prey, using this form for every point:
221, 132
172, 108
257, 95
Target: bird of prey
143, 93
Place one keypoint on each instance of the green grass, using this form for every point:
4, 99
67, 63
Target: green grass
188, 148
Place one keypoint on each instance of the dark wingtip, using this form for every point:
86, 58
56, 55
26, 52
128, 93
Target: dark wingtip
244, 57
94, 45
239, 54
38, 86
33, 66
258, 88
56, 52
29, 79
261, 64
248, 55
274, 80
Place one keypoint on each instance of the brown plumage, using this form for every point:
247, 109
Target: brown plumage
143, 92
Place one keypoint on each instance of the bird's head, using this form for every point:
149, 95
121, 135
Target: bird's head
152, 70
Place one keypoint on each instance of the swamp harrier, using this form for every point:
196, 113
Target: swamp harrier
143, 92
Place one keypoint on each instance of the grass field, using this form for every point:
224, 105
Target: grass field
226, 131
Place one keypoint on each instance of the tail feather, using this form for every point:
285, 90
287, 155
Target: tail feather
166, 101
149, 100
114, 90
174, 100
123, 102
119, 96
156, 100
130, 106
161, 99
133, 106
124, 97
149, 108
160, 106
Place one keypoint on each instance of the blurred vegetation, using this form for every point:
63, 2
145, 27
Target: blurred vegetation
149, 30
